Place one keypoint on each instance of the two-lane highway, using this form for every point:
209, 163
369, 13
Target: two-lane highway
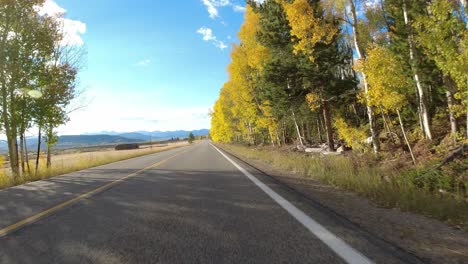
189, 205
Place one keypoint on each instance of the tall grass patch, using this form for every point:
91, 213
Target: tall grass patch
76, 162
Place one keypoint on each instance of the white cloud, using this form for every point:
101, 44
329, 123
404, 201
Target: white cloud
144, 62
208, 35
72, 29
213, 5
220, 45
51, 8
211, 8
238, 8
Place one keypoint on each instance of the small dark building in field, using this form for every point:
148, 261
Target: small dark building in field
127, 146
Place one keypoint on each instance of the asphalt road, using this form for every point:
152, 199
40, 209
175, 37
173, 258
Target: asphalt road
189, 205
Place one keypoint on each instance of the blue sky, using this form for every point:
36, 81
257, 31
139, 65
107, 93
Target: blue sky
150, 64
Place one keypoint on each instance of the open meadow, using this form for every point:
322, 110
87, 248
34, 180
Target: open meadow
66, 161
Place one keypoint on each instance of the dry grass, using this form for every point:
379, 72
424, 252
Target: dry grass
66, 163
389, 188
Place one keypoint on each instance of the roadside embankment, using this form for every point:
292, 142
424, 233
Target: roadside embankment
384, 203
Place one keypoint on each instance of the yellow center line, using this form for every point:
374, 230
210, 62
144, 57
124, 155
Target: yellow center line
5, 231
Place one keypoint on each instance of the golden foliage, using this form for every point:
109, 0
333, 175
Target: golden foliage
237, 113
354, 137
307, 28
314, 101
255, 52
386, 79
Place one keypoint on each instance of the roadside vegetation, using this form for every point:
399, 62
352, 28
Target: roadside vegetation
67, 163
38, 79
383, 82
390, 187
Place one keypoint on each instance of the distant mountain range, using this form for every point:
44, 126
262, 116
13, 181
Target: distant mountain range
154, 135
109, 138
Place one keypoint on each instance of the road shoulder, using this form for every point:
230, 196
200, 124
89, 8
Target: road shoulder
428, 239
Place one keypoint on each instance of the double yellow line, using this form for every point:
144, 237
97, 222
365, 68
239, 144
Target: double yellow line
9, 229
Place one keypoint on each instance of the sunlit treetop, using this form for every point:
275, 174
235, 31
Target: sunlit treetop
307, 28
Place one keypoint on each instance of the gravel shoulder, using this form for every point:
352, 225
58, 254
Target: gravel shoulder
427, 238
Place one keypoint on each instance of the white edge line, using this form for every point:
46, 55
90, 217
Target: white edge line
341, 248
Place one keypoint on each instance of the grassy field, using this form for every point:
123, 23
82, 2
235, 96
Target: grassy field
70, 162
388, 188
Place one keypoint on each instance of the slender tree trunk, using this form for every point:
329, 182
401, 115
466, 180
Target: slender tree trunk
26, 153
370, 115
23, 168
414, 68
319, 131
406, 138
278, 140
356, 115
10, 131
328, 125
50, 140
303, 132
8, 123
22, 131
389, 131
453, 119
284, 133
420, 119
297, 128
308, 132
39, 139
13, 154
49, 158
450, 103
272, 139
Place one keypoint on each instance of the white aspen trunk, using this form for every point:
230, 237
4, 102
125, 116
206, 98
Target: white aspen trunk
421, 91
271, 137
297, 128
453, 120
406, 138
370, 115
278, 140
